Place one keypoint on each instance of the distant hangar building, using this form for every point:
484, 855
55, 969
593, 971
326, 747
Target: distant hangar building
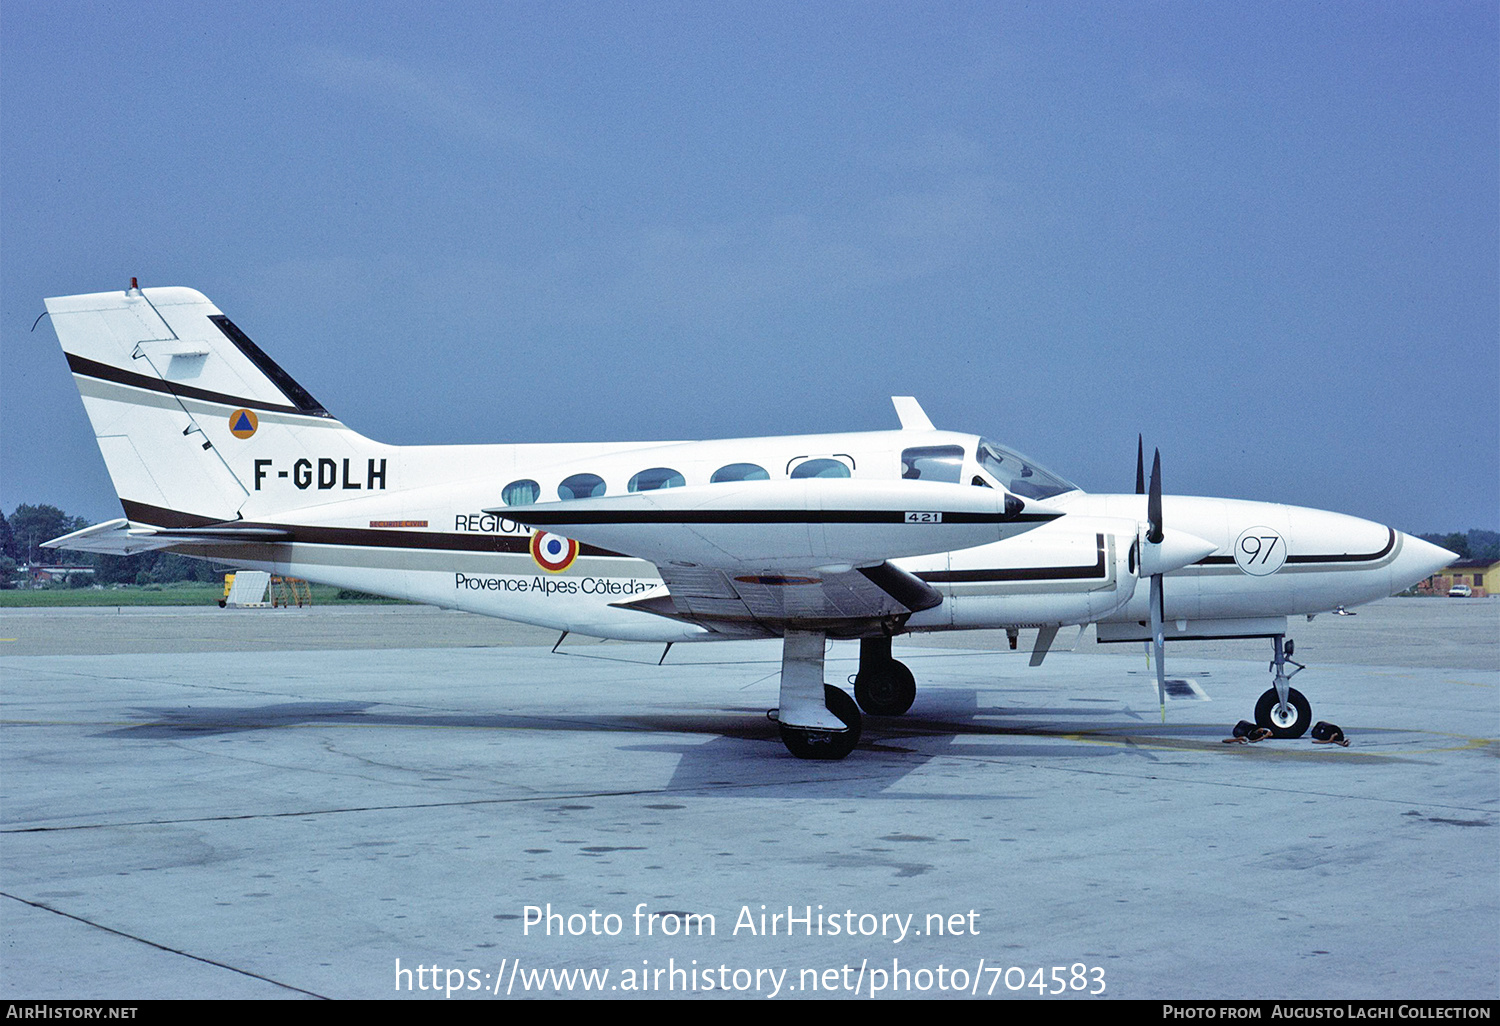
1476, 574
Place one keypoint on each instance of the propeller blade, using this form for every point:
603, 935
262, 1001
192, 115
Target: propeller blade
1155, 534
1153, 502
1157, 643
1140, 489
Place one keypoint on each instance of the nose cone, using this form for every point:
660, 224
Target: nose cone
1418, 561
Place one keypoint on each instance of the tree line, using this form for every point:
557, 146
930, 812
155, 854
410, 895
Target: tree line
1474, 544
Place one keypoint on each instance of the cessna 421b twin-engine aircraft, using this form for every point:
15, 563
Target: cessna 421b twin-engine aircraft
217, 453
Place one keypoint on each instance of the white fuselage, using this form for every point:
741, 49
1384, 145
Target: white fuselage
216, 452
423, 535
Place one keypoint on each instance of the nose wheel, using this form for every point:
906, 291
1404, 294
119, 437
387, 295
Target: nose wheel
1283, 709
1291, 723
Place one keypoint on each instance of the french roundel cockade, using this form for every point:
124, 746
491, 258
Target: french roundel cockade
553, 552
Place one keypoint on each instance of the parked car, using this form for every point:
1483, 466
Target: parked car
1460, 591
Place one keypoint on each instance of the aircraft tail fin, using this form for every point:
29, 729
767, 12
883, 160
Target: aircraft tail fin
196, 423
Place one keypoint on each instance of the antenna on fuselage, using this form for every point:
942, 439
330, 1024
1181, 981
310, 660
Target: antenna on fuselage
911, 414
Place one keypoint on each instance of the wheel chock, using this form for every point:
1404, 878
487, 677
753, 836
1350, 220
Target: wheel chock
1325, 733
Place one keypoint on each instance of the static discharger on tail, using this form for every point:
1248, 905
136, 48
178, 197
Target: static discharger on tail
216, 452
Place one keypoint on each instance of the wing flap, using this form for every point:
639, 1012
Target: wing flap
841, 602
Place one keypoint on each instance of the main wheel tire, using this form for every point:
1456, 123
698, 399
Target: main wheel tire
1268, 715
827, 745
885, 689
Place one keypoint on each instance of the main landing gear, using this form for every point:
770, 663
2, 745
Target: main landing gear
1283, 709
883, 686
819, 721
816, 721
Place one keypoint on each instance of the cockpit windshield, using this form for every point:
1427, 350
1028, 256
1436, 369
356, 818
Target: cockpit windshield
1019, 474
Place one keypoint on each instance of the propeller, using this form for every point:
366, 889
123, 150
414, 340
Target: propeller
1140, 489
1161, 552
1154, 536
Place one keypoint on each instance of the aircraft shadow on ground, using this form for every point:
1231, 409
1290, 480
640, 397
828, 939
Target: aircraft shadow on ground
739, 748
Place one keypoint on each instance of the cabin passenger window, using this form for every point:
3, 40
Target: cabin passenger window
821, 468
656, 477
933, 463
521, 493
740, 472
581, 486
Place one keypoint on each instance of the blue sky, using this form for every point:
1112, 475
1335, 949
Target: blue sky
1263, 235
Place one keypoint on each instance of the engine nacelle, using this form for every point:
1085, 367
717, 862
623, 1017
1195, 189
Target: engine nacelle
1057, 577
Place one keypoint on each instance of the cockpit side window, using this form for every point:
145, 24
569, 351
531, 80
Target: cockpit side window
933, 463
1019, 474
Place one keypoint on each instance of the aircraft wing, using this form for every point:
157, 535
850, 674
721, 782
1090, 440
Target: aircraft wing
811, 554
834, 602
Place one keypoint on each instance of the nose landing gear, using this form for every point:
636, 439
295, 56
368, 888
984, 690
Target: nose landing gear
1283, 709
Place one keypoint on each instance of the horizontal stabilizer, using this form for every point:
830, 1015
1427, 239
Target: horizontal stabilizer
123, 538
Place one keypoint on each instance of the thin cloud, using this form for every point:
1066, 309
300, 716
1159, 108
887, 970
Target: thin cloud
1175, 90
436, 99
701, 272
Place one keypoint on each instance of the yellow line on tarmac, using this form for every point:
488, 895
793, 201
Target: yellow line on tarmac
1467, 743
